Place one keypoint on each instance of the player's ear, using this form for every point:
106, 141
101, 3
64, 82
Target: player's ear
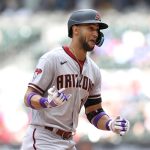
75, 30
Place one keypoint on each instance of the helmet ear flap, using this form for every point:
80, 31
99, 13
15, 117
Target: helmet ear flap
100, 39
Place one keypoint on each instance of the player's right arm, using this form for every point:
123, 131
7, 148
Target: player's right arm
55, 98
34, 100
42, 78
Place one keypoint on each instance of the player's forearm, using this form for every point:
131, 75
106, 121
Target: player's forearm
102, 122
34, 101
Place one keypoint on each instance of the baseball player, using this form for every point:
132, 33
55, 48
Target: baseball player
65, 79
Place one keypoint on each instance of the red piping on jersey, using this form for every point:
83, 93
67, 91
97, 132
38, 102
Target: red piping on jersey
68, 51
34, 141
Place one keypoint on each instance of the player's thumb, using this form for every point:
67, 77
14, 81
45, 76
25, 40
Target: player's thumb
51, 90
61, 90
118, 117
69, 96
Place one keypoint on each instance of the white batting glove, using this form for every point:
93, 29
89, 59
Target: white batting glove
119, 125
57, 98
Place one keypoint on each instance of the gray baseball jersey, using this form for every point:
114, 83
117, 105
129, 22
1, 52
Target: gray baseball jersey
59, 68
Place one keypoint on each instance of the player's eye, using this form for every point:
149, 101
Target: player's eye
91, 28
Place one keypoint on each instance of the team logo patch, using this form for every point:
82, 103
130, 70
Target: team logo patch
37, 72
97, 17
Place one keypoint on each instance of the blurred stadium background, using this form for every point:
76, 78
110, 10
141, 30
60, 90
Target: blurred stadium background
29, 28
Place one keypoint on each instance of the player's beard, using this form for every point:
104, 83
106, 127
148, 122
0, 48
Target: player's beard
86, 47
85, 44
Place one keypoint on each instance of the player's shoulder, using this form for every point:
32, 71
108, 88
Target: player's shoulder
55, 52
92, 63
94, 68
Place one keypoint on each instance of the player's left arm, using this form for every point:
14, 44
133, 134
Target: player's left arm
93, 107
95, 112
100, 119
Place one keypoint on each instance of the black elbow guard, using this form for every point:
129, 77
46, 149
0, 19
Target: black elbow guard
92, 114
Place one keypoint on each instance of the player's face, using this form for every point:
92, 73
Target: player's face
88, 36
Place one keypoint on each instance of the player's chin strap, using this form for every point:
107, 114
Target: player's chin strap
100, 39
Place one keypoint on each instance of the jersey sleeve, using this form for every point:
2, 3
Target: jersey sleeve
43, 74
95, 92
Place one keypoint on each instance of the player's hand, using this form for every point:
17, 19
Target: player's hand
57, 98
119, 125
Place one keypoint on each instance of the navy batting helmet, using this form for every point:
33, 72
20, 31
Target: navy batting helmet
86, 16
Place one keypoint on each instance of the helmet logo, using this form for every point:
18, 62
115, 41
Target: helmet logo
97, 17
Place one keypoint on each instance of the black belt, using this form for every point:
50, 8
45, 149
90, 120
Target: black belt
62, 133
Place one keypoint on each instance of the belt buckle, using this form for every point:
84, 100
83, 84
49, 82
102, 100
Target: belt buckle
68, 136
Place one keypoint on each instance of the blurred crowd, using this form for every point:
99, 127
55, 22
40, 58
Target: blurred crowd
65, 5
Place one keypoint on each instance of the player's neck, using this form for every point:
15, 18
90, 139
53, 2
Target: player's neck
79, 53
